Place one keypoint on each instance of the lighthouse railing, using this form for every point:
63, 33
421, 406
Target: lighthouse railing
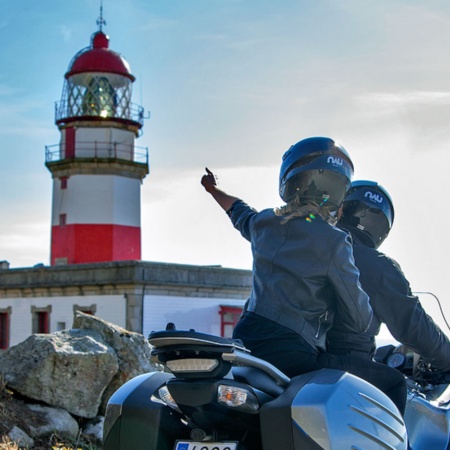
97, 150
65, 110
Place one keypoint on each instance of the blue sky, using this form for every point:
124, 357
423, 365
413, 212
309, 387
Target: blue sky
231, 84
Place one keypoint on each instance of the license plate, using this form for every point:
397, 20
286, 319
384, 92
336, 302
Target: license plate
191, 445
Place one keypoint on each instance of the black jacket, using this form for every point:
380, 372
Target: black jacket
302, 272
393, 304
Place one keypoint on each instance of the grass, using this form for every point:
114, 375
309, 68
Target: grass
53, 443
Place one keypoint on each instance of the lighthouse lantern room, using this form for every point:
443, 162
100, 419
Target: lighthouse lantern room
97, 169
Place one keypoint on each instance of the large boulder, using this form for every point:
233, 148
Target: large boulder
132, 349
68, 369
74, 372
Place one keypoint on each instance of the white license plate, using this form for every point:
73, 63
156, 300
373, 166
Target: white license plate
191, 445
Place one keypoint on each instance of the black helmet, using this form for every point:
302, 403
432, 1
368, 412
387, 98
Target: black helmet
316, 169
368, 210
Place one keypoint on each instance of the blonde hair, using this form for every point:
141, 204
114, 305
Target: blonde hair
297, 208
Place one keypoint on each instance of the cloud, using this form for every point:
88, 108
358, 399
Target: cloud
25, 243
8, 91
24, 117
423, 115
182, 223
405, 98
66, 32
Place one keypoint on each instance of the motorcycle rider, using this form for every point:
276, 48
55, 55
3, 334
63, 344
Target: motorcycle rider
303, 268
368, 214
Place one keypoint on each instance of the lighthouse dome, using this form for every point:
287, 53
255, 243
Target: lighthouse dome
98, 86
99, 58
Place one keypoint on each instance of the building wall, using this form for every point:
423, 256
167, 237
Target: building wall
100, 138
140, 296
101, 199
111, 308
199, 313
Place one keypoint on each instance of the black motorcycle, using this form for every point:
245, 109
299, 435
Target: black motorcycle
212, 394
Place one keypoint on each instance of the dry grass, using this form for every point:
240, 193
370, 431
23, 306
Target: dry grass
53, 443
6, 444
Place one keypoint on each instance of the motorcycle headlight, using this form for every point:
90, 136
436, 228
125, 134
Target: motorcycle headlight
237, 397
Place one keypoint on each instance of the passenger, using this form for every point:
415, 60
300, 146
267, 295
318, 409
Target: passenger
368, 214
303, 268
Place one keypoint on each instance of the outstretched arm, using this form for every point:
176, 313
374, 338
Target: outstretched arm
209, 182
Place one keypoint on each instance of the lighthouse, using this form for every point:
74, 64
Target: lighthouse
97, 169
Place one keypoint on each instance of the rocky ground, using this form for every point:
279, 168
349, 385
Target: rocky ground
12, 413
54, 387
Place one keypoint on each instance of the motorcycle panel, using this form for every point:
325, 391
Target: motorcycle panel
134, 421
428, 425
329, 406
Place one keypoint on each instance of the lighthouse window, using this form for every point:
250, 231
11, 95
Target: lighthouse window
63, 182
62, 220
100, 98
98, 94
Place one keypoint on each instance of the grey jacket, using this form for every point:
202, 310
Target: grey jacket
302, 272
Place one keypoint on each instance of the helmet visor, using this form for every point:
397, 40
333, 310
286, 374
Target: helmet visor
370, 221
373, 199
323, 187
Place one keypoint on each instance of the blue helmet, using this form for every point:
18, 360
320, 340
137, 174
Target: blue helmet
316, 169
368, 210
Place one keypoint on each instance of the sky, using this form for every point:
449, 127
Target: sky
231, 85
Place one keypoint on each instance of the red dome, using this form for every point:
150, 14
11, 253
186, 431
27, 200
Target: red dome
99, 58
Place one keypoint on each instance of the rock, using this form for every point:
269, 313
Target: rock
94, 428
53, 421
68, 369
73, 373
132, 349
20, 438
27, 422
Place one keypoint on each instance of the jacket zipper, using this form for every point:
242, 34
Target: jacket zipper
323, 316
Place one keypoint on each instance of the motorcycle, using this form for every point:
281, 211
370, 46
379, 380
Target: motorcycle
427, 414
212, 394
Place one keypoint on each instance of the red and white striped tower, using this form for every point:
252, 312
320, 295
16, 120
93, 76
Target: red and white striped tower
96, 168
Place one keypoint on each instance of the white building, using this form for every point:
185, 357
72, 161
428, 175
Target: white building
137, 295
